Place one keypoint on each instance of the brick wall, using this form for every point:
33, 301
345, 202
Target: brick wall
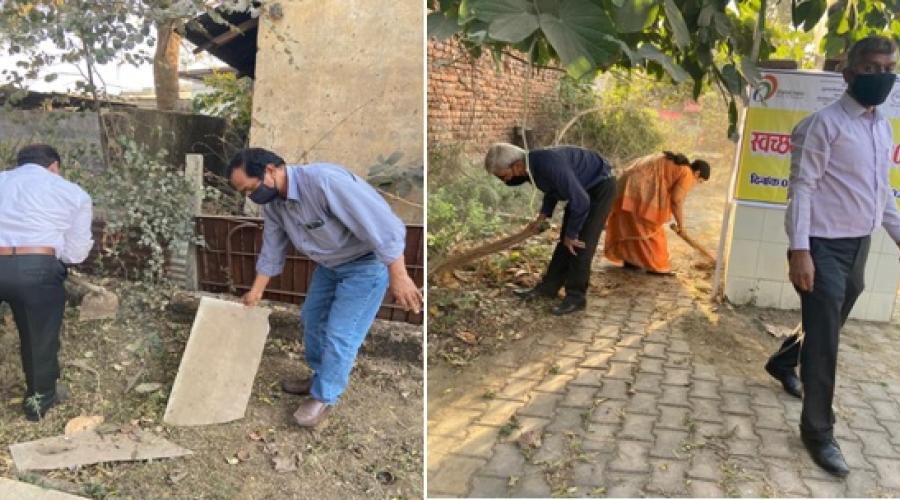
472, 104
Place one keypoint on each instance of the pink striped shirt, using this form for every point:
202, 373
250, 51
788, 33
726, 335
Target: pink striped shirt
839, 175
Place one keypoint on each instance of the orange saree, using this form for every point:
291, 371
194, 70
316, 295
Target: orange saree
647, 192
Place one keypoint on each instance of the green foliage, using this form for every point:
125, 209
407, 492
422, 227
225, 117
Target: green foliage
231, 98
623, 127
96, 32
714, 43
465, 203
146, 206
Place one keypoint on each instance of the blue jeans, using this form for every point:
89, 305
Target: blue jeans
339, 309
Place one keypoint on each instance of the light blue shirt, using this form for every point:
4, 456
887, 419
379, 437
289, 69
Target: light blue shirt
41, 209
330, 215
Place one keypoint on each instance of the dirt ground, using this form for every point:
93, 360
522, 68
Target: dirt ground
370, 448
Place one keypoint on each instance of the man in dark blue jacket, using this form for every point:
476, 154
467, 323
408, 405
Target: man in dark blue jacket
578, 176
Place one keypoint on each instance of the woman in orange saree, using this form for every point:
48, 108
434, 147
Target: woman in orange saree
649, 193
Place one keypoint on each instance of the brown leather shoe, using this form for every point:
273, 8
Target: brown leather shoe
300, 387
311, 413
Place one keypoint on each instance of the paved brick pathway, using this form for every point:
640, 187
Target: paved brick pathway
622, 407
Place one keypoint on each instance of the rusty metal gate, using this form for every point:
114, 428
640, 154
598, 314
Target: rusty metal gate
228, 263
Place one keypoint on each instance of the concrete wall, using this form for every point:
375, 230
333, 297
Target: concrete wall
757, 269
473, 103
342, 81
74, 134
177, 133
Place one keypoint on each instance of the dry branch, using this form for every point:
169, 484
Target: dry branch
455, 261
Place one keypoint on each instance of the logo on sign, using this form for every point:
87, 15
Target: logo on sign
766, 89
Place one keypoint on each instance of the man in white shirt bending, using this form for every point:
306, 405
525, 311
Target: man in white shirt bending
45, 222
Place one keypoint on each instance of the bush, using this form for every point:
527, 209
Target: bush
231, 98
465, 204
146, 206
622, 130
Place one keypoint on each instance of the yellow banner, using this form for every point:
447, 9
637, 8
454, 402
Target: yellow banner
764, 160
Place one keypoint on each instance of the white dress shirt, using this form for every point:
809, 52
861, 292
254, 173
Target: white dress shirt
839, 175
41, 209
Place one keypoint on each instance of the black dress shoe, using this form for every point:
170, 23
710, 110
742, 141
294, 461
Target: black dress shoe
788, 379
827, 454
531, 293
568, 306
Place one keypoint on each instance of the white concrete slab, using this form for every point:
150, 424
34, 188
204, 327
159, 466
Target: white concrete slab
219, 364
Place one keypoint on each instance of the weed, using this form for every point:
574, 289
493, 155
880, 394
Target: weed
509, 427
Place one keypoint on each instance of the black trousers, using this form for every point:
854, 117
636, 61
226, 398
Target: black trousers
840, 266
32, 285
574, 271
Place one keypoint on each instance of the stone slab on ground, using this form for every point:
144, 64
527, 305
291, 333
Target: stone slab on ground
219, 364
17, 490
92, 447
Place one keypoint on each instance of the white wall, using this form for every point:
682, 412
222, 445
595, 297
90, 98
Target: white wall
757, 266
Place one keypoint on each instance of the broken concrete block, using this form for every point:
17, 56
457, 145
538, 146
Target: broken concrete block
99, 304
91, 447
219, 364
10, 489
95, 301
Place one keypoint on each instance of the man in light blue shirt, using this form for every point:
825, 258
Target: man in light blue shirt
340, 222
45, 221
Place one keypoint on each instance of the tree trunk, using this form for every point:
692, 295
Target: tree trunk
165, 66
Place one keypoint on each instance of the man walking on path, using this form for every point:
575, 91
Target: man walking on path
838, 195
45, 221
567, 173
340, 222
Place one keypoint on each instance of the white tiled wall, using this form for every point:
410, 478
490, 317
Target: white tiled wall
757, 266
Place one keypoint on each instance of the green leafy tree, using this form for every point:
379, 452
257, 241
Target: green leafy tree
230, 98
90, 33
709, 42
83, 33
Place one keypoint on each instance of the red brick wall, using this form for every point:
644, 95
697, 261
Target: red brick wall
473, 105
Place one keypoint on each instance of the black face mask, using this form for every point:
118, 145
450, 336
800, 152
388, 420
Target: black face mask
517, 180
872, 90
263, 194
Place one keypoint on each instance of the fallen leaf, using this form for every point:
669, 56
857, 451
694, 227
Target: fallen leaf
147, 387
778, 331
254, 436
243, 455
467, 337
530, 439
232, 460
83, 423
